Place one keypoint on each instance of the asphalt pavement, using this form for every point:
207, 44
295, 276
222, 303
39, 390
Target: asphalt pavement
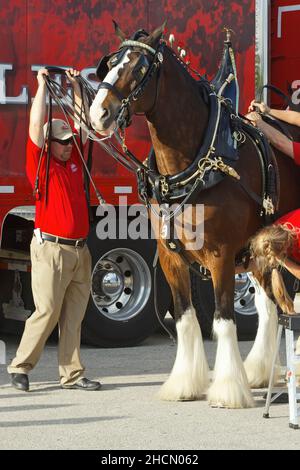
126, 413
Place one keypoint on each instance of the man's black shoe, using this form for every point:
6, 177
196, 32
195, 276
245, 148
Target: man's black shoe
84, 384
20, 382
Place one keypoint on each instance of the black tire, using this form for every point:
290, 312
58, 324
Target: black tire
245, 311
131, 317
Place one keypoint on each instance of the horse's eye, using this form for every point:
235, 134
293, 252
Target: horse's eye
140, 72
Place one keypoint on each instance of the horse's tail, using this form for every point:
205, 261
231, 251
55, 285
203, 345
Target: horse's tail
269, 247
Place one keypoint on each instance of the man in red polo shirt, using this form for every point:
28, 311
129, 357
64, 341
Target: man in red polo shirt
61, 262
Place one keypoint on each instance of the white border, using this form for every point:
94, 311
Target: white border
262, 34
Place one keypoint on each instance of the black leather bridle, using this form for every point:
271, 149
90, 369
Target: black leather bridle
143, 71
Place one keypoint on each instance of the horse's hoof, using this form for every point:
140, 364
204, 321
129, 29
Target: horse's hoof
258, 372
173, 390
217, 405
230, 394
169, 396
232, 405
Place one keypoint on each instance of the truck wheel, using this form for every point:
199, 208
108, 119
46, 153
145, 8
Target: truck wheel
244, 306
245, 311
121, 306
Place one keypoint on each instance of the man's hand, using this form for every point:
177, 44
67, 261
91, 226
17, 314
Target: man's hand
72, 74
262, 107
40, 76
255, 118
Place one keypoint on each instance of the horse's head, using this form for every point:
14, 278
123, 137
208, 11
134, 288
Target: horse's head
127, 77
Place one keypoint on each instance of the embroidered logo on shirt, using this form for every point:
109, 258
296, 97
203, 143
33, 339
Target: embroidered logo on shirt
73, 168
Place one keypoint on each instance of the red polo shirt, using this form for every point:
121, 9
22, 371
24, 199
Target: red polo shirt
66, 213
292, 219
296, 147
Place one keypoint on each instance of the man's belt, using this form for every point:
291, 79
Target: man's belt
64, 241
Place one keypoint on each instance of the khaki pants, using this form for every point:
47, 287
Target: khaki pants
61, 285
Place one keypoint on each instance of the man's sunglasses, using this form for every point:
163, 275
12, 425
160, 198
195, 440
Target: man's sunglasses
63, 142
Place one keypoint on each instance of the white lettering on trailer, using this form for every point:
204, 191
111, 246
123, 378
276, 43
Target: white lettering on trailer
86, 74
123, 189
282, 10
56, 77
23, 96
7, 189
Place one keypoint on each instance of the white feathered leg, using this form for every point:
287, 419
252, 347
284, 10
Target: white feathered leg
189, 377
230, 388
259, 360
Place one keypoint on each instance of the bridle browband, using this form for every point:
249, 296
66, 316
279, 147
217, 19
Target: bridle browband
142, 45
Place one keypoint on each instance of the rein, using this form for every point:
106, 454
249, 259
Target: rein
69, 109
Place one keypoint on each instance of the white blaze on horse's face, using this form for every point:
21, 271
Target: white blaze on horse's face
103, 119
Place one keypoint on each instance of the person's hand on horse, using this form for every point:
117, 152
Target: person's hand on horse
255, 118
261, 107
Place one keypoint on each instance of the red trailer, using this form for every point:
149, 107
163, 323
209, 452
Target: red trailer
70, 33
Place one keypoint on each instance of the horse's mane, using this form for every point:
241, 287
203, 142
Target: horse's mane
141, 34
182, 66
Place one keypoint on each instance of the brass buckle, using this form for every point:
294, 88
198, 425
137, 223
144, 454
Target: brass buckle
164, 186
268, 205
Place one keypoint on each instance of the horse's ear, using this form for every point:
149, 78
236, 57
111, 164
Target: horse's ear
157, 34
119, 32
